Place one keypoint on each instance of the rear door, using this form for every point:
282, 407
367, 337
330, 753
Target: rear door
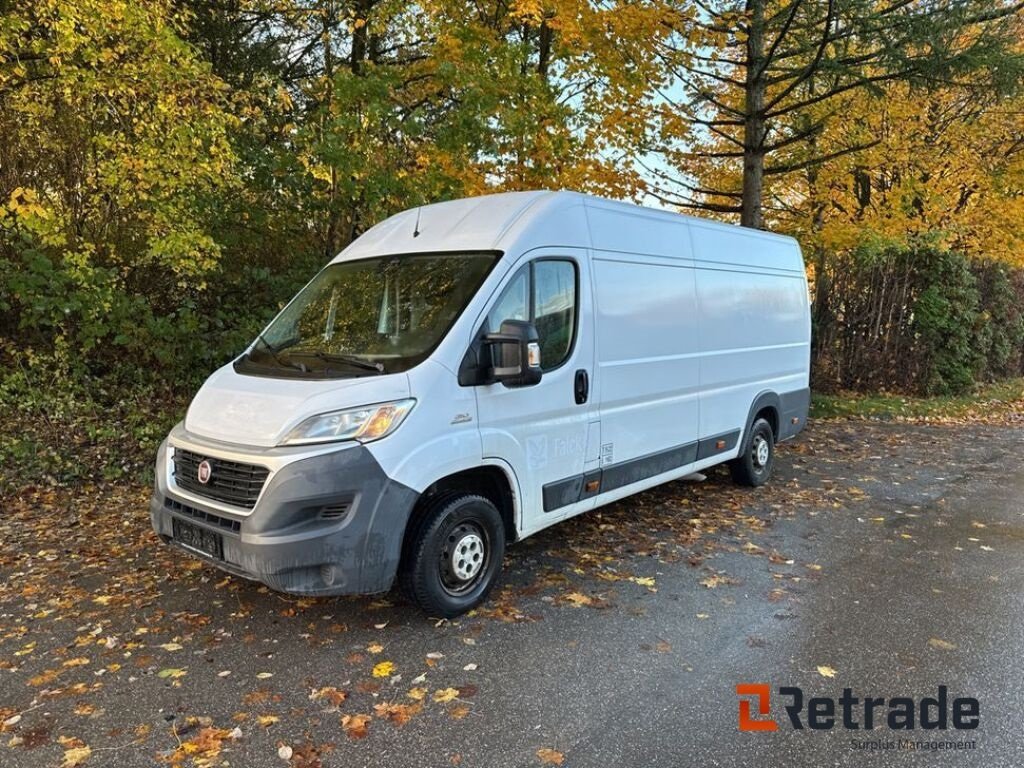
545, 431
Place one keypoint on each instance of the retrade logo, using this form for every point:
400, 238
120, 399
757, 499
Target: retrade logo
204, 472
761, 693
850, 712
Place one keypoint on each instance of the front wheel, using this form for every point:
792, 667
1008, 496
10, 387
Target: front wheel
454, 554
754, 465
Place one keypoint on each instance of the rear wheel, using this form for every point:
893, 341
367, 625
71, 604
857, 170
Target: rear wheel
754, 465
454, 554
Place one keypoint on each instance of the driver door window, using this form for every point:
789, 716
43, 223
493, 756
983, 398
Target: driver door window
543, 292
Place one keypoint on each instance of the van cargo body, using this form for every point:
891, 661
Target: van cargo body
468, 373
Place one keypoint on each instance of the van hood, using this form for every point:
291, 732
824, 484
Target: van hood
260, 411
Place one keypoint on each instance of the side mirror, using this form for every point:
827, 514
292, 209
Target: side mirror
515, 354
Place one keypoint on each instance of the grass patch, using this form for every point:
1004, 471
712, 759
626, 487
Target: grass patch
990, 402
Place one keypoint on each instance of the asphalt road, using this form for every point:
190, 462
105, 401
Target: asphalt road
882, 558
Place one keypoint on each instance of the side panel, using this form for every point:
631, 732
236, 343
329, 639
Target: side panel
647, 354
744, 248
754, 334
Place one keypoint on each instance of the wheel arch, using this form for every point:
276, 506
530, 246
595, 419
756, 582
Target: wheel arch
766, 405
493, 481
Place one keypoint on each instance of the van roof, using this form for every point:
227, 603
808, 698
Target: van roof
496, 221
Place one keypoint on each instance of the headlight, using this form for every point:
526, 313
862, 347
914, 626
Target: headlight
370, 422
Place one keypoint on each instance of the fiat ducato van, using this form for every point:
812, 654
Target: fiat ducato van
468, 373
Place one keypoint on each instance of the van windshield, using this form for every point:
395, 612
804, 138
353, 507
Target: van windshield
368, 317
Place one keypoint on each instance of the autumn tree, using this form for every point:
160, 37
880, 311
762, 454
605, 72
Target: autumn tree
758, 80
358, 109
114, 152
948, 163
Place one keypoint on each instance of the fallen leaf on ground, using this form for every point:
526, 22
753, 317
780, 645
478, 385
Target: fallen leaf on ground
578, 599
332, 695
399, 714
550, 756
826, 672
355, 725
75, 756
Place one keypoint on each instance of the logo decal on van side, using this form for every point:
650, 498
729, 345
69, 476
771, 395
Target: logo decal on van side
537, 451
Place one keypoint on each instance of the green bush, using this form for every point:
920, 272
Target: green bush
946, 321
92, 324
1002, 298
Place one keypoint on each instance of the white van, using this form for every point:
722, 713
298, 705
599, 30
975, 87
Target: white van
468, 373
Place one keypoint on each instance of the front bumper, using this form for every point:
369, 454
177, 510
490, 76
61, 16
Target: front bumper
294, 539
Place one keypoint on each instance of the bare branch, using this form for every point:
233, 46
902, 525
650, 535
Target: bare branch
791, 167
812, 67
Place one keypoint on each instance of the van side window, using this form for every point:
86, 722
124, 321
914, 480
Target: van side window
554, 309
550, 304
514, 303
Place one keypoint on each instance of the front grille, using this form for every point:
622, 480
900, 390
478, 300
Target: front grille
335, 511
231, 482
207, 517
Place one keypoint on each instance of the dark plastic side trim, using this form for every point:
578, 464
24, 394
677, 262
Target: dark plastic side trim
794, 405
633, 471
709, 446
562, 493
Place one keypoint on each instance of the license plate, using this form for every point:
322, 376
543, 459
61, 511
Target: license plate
201, 540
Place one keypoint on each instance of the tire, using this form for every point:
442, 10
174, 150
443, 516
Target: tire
454, 554
754, 465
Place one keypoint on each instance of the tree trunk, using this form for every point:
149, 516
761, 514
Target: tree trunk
326, 116
544, 49
823, 341
753, 122
360, 36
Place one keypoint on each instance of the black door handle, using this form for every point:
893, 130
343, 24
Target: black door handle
581, 387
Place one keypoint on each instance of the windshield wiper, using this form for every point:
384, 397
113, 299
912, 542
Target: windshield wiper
275, 353
352, 360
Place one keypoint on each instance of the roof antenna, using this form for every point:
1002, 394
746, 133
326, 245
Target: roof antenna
416, 229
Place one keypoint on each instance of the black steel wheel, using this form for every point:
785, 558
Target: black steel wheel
754, 465
453, 557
